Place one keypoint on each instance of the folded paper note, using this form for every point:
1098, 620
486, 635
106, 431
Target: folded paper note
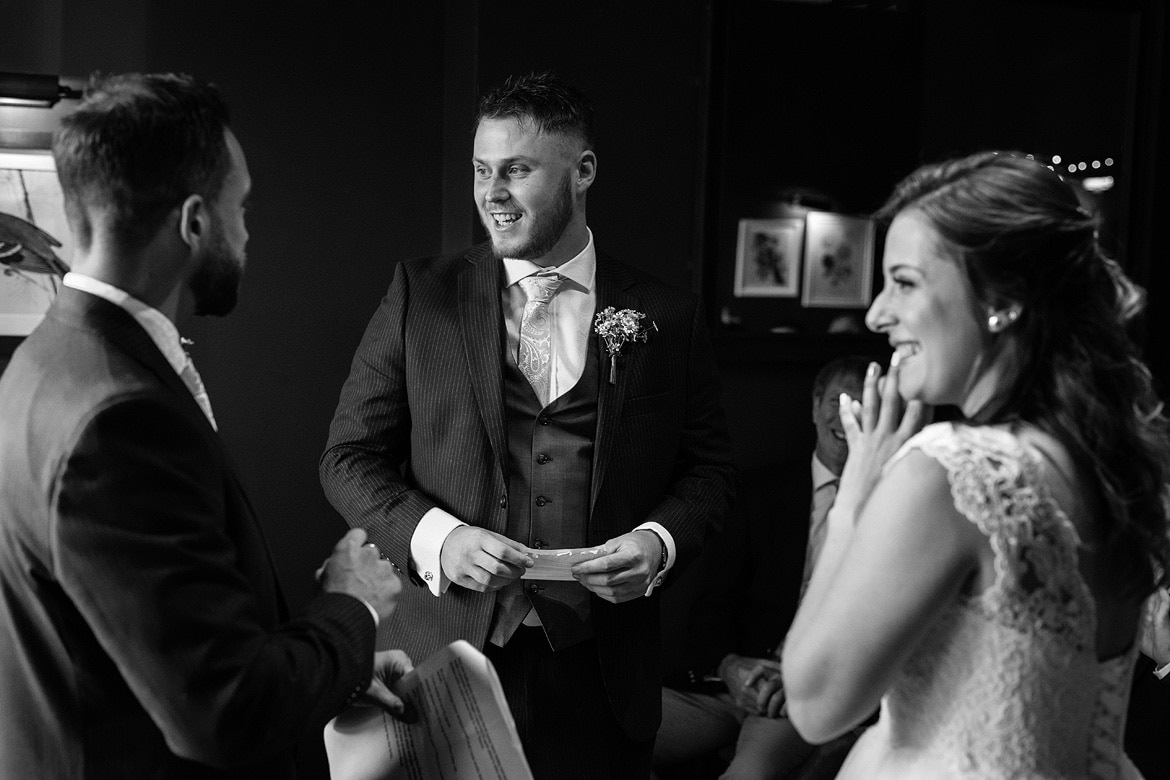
555, 564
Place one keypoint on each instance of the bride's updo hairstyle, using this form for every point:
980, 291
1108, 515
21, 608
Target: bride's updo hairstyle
1023, 238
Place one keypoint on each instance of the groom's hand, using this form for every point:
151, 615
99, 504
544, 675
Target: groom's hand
482, 561
625, 568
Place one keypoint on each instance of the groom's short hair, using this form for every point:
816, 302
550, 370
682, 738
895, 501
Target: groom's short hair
551, 104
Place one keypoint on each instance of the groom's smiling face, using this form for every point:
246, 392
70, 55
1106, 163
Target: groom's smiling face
524, 189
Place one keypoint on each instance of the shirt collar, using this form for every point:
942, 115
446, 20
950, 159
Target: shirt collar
581, 270
821, 475
160, 329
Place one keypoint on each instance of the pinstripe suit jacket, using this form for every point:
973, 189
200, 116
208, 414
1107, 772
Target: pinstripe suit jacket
142, 630
421, 423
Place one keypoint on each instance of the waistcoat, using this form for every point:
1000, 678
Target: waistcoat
550, 464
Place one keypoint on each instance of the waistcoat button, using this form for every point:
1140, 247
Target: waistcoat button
541, 500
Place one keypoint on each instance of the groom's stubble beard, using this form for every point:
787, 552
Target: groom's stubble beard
548, 230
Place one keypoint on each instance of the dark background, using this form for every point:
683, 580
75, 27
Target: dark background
358, 134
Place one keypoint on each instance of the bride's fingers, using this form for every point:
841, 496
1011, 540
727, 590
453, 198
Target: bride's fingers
850, 412
891, 411
870, 403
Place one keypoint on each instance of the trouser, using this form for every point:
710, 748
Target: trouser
562, 712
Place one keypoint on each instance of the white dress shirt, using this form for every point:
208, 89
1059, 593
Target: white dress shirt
571, 310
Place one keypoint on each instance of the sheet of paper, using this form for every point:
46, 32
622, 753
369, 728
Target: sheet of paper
555, 564
464, 727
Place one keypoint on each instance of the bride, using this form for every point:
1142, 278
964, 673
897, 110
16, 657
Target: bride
984, 579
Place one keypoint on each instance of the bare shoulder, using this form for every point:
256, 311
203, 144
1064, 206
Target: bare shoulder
915, 497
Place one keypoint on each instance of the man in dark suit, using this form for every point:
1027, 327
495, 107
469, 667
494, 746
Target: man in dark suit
485, 418
142, 630
730, 699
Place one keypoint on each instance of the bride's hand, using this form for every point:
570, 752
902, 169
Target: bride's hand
875, 428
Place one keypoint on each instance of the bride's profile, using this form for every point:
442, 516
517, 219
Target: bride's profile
983, 579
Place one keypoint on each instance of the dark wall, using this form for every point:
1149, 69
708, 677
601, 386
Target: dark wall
642, 66
338, 118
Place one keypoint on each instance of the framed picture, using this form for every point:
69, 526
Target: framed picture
767, 258
35, 243
838, 260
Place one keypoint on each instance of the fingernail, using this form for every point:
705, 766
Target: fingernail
845, 400
872, 371
895, 359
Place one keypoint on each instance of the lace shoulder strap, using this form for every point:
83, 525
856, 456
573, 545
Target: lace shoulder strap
997, 484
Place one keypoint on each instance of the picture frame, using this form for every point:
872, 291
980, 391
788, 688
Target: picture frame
767, 258
838, 261
29, 191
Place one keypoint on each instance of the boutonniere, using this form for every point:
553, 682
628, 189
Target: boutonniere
618, 328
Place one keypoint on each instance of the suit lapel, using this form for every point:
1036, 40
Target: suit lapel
479, 298
116, 325
615, 287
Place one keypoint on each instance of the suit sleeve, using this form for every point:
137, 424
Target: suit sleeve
704, 478
141, 544
369, 438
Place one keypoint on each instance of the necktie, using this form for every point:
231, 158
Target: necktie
535, 355
194, 383
822, 501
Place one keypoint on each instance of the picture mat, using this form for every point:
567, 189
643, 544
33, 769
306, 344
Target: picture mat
29, 189
838, 260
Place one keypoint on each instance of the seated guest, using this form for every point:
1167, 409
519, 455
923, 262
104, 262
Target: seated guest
732, 697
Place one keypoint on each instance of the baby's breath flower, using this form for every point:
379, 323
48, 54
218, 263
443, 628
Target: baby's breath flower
618, 328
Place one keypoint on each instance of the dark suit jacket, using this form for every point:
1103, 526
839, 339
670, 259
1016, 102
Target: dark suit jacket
420, 424
751, 572
142, 631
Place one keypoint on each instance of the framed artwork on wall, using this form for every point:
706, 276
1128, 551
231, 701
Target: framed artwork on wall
35, 243
767, 258
838, 260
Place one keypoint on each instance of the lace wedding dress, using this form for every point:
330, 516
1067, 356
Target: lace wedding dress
1007, 683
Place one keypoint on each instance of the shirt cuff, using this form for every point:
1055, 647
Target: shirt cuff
1162, 671
426, 544
668, 540
373, 613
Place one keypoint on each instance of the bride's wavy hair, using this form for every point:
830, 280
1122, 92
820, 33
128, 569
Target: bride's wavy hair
1023, 237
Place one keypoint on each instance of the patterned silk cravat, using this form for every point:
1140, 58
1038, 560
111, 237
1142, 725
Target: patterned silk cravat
194, 383
535, 357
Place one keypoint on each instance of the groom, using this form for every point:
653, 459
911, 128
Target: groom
483, 419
